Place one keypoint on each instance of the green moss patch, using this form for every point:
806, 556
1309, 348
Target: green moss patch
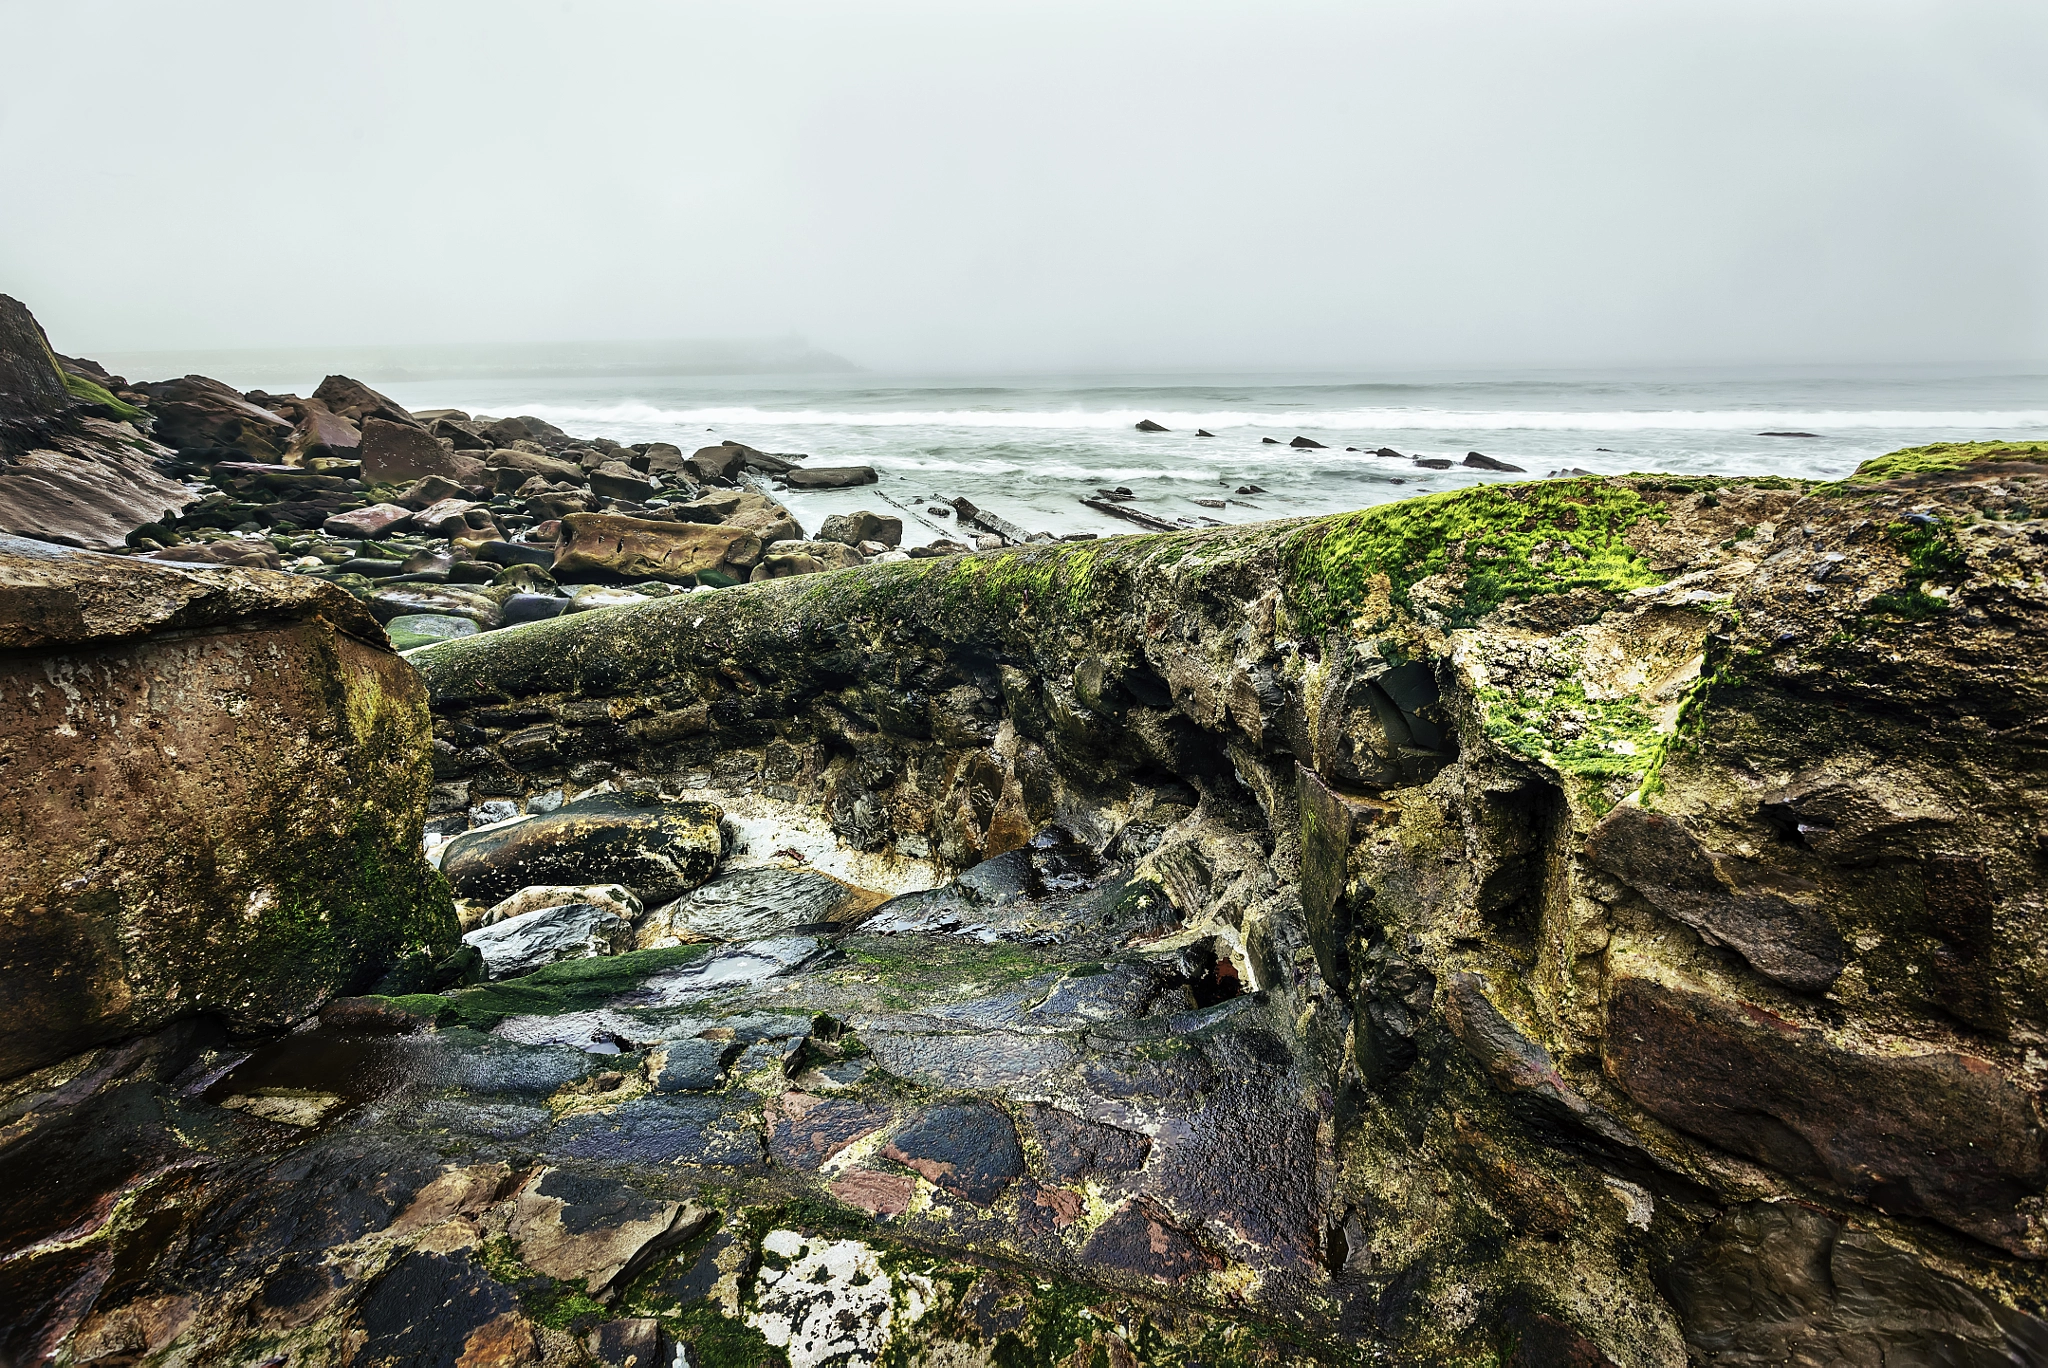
1945, 456
1571, 733
571, 986
84, 389
1511, 542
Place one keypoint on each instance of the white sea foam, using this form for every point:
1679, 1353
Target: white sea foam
1366, 419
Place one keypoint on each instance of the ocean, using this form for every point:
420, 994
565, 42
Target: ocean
1030, 449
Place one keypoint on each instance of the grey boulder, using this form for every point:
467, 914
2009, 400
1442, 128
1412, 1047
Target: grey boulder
537, 939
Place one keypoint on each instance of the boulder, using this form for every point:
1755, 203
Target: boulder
746, 904
356, 401
1147, 425
453, 518
1479, 461
713, 463
832, 477
457, 434
31, 383
323, 434
503, 431
197, 413
394, 453
518, 608
378, 520
855, 528
605, 544
1306, 444
437, 600
533, 940
663, 459
615, 897
617, 480
657, 849
141, 817
553, 469
833, 555
424, 493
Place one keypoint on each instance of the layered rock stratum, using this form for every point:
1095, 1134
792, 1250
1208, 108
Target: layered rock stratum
1587, 921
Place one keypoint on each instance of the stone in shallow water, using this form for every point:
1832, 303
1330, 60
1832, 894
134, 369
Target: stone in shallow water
535, 939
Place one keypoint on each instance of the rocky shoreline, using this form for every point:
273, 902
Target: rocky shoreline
1588, 921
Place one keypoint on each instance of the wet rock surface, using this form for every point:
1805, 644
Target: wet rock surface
1548, 924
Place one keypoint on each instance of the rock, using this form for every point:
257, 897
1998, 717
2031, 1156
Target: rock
394, 453
424, 629
141, 815
1306, 443
1203, 432
432, 600
1522, 1069
1147, 425
828, 1302
616, 898
969, 1149
744, 904
323, 434
1770, 917
657, 849
590, 598
855, 528
664, 458
1269, 441
457, 434
713, 464
356, 401
831, 555
804, 1131
1937, 1134
520, 608
1141, 1238
535, 939
1077, 1150
617, 480
832, 477
509, 553
378, 520
1478, 461
454, 518
595, 1230
633, 548
253, 555
1781, 1282
526, 462
424, 493
1433, 462
197, 413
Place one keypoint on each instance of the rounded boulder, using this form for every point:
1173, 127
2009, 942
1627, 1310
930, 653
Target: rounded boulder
657, 849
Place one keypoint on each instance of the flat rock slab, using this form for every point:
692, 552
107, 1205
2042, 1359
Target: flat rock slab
660, 1130
572, 1225
534, 939
970, 1149
742, 904
730, 967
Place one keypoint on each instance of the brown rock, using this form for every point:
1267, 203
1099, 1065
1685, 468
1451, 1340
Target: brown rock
634, 548
394, 453
1942, 1135
878, 1194
664, 459
713, 463
617, 480
1770, 917
31, 386
424, 494
832, 477
555, 471
354, 400
256, 555
198, 413
88, 485
597, 1229
323, 433
141, 817
375, 521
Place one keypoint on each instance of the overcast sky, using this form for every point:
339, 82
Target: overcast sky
1038, 185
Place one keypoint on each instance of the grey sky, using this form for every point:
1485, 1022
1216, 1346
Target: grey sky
1044, 185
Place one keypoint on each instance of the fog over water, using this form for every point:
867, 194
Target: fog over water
1047, 188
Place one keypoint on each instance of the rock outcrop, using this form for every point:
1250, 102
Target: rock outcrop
212, 783
1569, 922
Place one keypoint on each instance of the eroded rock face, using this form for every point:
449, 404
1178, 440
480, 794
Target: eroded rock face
213, 785
1562, 923
656, 849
